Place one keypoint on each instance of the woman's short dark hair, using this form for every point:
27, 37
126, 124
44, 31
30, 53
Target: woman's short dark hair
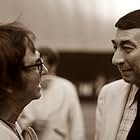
14, 39
129, 21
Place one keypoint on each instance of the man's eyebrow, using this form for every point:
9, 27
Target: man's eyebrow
123, 42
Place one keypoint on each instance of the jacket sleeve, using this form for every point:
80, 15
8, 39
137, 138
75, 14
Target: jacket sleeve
77, 130
99, 122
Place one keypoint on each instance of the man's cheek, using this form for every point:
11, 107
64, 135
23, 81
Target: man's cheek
133, 58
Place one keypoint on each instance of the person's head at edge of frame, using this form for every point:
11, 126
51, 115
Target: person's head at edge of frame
21, 66
127, 47
50, 58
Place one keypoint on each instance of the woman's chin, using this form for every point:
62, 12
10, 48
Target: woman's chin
37, 95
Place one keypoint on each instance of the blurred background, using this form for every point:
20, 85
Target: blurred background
81, 31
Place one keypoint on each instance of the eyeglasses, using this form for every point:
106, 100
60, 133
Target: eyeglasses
39, 65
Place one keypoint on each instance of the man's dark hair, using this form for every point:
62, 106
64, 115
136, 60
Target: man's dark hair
129, 21
51, 56
14, 39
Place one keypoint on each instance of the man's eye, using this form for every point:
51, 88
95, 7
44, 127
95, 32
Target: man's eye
114, 47
128, 48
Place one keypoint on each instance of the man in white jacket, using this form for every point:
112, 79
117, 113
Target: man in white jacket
117, 104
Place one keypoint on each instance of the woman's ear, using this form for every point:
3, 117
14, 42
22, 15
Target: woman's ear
9, 90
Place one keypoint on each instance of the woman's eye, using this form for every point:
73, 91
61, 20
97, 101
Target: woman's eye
31, 68
34, 67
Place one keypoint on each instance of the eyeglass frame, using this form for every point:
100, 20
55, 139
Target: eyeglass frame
40, 65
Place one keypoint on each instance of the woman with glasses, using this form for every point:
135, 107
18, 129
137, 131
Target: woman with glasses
20, 73
57, 115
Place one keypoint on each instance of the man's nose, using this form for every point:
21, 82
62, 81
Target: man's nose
118, 57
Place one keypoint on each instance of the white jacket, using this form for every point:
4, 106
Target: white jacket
110, 107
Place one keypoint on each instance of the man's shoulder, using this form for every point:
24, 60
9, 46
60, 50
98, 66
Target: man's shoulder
55, 78
118, 84
63, 81
60, 83
113, 89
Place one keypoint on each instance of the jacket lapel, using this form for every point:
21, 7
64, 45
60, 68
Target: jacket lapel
115, 111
